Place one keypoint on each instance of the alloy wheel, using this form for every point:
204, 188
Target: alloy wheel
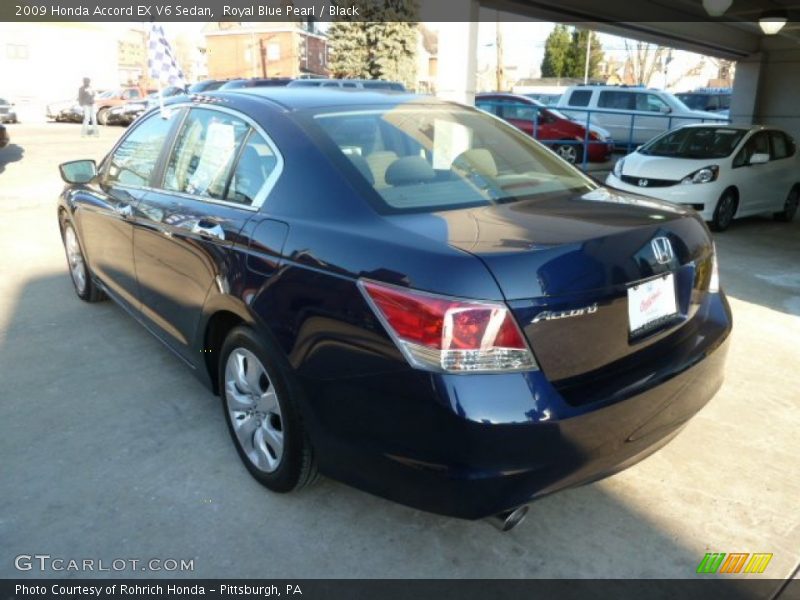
792, 201
725, 210
568, 153
77, 267
254, 410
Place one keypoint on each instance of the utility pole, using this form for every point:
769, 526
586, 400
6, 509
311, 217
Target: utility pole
588, 52
498, 42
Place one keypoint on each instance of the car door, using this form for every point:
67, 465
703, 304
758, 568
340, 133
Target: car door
783, 172
616, 115
186, 230
752, 179
106, 211
652, 117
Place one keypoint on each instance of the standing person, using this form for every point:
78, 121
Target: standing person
86, 101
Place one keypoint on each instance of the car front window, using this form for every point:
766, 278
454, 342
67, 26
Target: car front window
695, 142
134, 160
425, 158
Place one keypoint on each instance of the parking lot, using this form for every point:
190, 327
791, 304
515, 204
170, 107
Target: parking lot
111, 449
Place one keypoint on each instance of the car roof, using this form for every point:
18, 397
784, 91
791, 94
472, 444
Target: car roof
522, 98
298, 98
738, 126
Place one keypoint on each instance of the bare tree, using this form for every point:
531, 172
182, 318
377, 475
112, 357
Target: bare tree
645, 60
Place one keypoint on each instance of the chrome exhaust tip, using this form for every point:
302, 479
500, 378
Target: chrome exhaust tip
506, 521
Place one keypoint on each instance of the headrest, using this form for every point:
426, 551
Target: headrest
408, 170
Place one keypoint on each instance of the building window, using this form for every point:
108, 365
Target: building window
18, 51
273, 51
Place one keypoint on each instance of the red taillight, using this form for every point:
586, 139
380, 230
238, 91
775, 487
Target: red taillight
436, 332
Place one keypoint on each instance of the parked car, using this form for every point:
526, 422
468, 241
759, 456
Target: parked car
4, 137
207, 85
362, 84
548, 99
7, 112
65, 111
632, 115
105, 101
722, 171
256, 82
716, 100
127, 113
564, 136
445, 314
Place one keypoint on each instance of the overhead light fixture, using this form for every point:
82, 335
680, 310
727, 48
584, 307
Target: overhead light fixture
717, 8
772, 21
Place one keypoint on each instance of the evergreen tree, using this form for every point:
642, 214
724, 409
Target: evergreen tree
383, 46
576, 57
556, 52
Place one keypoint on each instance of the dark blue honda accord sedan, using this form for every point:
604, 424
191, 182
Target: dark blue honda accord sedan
404, 294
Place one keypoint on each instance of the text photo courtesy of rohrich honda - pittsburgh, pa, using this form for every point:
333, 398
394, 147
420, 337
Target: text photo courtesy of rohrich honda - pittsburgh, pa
399, 299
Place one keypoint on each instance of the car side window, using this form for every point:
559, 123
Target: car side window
650, 103
580, 97
616, 100
757, 144
516, 110
204, 153
780, 149
134, 160
256, 163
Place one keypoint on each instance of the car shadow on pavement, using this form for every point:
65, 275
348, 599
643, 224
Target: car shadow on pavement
112, 449
9, 154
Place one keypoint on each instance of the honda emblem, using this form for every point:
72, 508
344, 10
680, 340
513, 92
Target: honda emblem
662, 248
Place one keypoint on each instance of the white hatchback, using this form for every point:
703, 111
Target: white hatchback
723, 171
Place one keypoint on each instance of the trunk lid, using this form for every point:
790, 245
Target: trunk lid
565, 265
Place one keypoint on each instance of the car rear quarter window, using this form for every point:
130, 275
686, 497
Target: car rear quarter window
133, 162
256, 163
204, 153
580, 98
616, 101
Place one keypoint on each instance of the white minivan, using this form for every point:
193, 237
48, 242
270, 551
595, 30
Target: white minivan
632, 115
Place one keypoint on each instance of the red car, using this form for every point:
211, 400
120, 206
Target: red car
551, 126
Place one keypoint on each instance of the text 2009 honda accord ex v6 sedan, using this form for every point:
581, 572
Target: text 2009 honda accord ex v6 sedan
408, 295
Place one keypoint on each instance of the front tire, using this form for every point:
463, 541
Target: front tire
790, 206
724, 212
262, 414
102, 116
79, 271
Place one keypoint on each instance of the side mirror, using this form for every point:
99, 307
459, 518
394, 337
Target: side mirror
666, 110
759, 158
78, 171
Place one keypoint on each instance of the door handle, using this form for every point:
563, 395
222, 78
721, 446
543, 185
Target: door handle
209, 229
124, 210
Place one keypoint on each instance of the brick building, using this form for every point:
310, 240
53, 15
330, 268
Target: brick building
274, 49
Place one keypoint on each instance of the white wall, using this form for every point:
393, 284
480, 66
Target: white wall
59, 56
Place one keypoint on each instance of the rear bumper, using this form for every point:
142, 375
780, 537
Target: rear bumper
473, 446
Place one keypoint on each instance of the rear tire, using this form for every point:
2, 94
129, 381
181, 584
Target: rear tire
102, 116
572, 153
725, 211
82, 281
259, 401
790, 206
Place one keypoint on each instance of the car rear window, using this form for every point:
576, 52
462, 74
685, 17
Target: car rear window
428, 157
